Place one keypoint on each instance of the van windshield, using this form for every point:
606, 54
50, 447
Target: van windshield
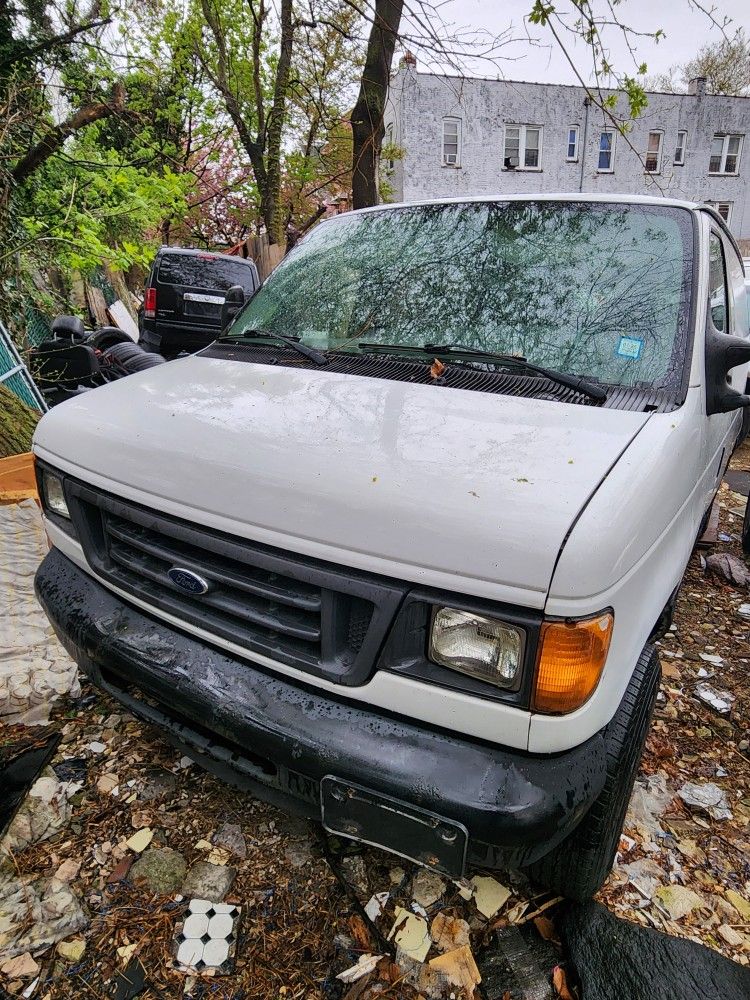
594, 289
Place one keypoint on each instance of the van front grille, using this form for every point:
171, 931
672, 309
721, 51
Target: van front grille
312, 615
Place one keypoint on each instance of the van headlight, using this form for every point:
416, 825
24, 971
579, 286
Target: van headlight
54, 494
481, 647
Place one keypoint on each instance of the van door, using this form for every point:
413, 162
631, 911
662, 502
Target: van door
729, 315
191, 287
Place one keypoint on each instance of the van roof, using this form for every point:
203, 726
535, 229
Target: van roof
196, 252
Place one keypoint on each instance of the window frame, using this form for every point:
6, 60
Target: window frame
726, 137
388, 141
568, 157
682, 148
458, 122
659, 152
611, 168
522, 130
715, 234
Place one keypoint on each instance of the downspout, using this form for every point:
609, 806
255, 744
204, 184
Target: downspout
586, 104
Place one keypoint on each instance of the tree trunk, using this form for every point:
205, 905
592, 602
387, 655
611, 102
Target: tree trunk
17, 423
271, 195
367, 116
55, 138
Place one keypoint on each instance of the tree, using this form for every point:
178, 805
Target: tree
725, 64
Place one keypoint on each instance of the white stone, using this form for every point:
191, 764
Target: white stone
190, 952
221, 925
215, 952
196, 925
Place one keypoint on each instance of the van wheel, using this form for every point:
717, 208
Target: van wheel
578, 866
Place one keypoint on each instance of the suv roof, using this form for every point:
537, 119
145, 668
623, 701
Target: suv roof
197, 252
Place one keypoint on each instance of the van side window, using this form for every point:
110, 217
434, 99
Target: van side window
717, 284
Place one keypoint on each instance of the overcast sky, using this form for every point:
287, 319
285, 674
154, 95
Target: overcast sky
686, 29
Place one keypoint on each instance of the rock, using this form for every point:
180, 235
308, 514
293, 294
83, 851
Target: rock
207, 881
678, 900
729, 567
298, 853
230, 836
68, 870
396, 876
159, 783
707, 796
449, 932
97, 746
21, 967
72, 951
427, 887
140, 841
355, 871
615, 959
489, 895
107, 784
121, 871
732, 937
645, 874
162, 869
719, 701
741, 905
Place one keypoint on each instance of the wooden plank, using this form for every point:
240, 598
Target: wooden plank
122, 319
17, 479
97, 305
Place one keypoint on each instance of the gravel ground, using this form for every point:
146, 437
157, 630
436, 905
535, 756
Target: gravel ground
680, 868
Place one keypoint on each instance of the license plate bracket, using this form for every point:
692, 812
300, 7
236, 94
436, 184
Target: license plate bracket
357, 813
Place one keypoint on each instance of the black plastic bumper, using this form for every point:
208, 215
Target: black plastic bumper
280, 739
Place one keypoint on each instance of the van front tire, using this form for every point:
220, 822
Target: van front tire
578, 866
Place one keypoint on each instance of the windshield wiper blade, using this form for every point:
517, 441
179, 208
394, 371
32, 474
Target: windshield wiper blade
575, 382
309, 352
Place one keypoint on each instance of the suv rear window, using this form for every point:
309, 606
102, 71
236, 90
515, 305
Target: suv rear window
204, 271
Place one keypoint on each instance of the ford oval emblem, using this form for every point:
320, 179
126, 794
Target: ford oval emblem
188, 581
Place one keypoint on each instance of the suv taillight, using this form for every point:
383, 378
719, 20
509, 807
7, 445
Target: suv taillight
149, 306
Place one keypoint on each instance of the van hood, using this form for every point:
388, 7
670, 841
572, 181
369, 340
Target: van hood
467, 491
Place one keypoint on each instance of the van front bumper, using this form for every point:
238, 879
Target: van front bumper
279, 739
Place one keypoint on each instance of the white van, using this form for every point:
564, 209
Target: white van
393, 551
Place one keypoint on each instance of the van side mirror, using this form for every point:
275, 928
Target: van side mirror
723, 353
234, 300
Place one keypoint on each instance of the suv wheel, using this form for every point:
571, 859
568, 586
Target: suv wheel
578, 866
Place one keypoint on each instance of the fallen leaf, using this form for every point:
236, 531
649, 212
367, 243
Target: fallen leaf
411, 934
437, 368
489, 895
459, 968
23, 967
359, 931
449, 932
546, 929
560, 982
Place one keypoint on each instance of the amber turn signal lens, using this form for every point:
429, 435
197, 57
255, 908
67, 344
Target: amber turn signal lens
570, 662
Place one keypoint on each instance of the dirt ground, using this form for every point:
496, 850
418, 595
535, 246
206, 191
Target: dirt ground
302, 922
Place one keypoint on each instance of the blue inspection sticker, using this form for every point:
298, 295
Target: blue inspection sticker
630, 347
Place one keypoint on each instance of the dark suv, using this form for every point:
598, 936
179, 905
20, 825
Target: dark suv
185, 291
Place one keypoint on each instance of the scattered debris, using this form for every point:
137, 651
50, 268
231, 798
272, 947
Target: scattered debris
720, 701
376, 905
140, 841
449, 932
707, 796
459, 968
649, 800
36, 913
410, 932
364, 966
205, 941
131, 982
427, 887
355, 871
678, 900
20, 967
489, 895
742, 906
44, 811
72, 951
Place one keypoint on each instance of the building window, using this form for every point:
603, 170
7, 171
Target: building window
653, 153
679, 153
451, 142
572, 155
724, 208
523, 147
389, 144
606, 152
725, 154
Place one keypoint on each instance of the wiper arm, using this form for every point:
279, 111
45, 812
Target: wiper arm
576, 382
309, 352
